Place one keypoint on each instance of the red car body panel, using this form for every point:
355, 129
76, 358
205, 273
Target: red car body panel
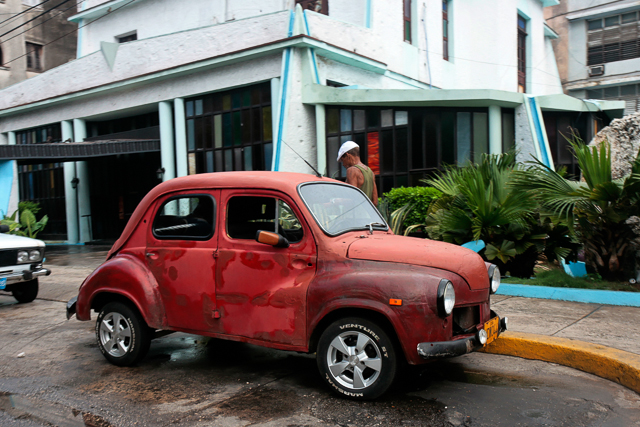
277, 297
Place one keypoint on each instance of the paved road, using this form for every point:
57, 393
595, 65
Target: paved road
52, 372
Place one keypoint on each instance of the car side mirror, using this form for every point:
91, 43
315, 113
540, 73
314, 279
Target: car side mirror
4, 228
270, 238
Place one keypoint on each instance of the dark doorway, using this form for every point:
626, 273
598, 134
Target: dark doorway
118, 184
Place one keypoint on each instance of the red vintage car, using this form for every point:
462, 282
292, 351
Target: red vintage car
292, 262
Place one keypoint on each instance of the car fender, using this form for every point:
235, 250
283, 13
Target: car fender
368, 285
127, 276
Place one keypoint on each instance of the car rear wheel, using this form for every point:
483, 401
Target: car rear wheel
25, 291
123, 335
356, 358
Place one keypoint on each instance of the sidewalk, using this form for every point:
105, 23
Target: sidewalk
601, 339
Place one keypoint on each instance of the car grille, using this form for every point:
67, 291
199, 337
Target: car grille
465, 319
8, 257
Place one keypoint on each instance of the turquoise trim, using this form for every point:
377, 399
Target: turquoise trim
367, 17
631, 299
283, 101
313, 52
539, 135
6, 183
291, 20
98, 11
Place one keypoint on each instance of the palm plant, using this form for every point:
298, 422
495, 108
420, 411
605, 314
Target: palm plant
597, 207
479, 203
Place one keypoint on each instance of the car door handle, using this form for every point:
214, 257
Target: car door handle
152, 255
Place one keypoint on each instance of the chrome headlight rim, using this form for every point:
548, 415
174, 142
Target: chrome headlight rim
494, 278
446, 298
29, 255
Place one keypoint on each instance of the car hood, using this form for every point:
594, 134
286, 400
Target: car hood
424, 252
11, 241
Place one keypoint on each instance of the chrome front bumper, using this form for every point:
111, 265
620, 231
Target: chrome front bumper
23, 276
443, 349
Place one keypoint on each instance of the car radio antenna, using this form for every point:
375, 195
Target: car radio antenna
303, 159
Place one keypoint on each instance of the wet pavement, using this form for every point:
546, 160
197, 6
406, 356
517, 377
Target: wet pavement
53, 374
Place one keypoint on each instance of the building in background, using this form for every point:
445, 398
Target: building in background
269, 85
32, 39
598, 51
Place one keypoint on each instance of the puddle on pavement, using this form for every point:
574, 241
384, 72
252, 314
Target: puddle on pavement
55, 414
454, 372
261, 405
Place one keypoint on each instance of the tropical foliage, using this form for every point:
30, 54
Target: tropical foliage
598, 207
479, 202
417, 198
23, 221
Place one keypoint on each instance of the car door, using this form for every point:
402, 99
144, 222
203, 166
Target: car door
261, 289
181, 249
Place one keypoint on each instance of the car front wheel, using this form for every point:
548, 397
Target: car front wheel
356, 358
26, 291
123, 335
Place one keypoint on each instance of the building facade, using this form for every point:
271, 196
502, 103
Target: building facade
274, 85
599, 49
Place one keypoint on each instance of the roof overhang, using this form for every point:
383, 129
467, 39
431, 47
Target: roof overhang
319, 94
561, 102
100, 10
550, 33
75, 151
605, 9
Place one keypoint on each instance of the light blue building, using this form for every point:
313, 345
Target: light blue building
163, 89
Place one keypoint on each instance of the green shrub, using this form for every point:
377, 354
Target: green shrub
23, 221
418, 197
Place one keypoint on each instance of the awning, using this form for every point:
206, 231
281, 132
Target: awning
76, 151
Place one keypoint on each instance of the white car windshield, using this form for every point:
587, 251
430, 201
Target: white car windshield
339, 208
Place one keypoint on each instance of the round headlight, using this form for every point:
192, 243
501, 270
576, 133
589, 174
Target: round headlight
34, 255
494, 277
446, 298
23, 256
482, 336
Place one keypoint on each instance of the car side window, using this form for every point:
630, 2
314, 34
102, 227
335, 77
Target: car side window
248, 214
186, 217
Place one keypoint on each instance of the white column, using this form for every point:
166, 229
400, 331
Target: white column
14, 188
70, 193
182, 167
167, 150
82, 173
495, 130
321, 139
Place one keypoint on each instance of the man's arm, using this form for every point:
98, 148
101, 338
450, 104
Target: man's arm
355, 177
375, 192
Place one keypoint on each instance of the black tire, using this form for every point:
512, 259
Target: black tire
122, 334
25, 292
356, 359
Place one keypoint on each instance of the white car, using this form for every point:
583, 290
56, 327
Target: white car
21, 261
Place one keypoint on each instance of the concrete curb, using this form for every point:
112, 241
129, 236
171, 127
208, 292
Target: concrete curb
631, 299
609, 363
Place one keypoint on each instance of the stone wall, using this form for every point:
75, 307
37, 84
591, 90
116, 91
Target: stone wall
624, 137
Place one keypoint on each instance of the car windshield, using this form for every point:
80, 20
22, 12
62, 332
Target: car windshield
339, 208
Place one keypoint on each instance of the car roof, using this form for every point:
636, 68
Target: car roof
286, 182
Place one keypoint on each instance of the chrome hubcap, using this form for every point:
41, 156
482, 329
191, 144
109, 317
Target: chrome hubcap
115, 334
354, 360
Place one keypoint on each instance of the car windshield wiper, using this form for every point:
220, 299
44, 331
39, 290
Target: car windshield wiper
377, 224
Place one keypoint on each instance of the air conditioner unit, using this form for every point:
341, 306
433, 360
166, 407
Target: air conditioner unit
596, 70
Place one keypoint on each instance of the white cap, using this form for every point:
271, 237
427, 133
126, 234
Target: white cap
347, 146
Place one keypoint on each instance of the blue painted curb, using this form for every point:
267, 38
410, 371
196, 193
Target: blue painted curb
631, 299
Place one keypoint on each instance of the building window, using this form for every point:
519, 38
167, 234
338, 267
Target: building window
630, 94
407, 21
403, 146
320, 6
522, 54
613, 38
44, 183
230, 131
445, 30
127, 37
1, 58
34, 57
